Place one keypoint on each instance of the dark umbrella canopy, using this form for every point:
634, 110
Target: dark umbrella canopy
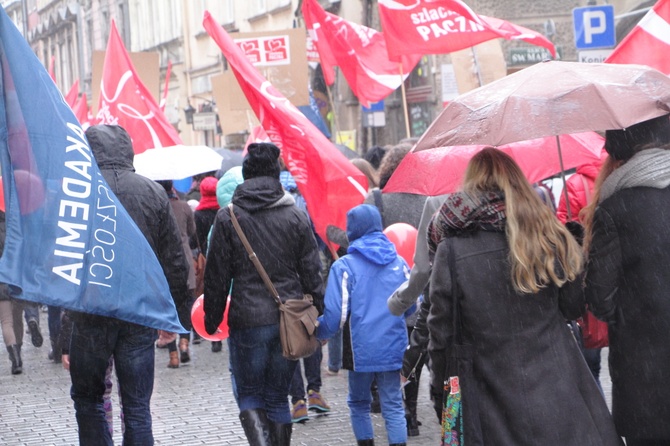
231, 158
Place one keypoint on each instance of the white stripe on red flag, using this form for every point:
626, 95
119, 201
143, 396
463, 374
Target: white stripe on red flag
657, 26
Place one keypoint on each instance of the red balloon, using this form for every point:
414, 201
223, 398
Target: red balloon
198, 321
403, 236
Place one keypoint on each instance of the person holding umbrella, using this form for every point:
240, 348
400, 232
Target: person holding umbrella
516, 279
627, 279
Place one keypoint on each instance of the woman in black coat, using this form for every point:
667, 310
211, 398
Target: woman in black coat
628, 281
519, 272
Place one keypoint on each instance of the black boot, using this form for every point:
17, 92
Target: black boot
370, 442
18, 355
280, 433
15, 358
35, 335
55, 354
411, 391
256, 427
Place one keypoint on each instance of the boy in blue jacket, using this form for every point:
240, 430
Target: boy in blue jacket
374, 340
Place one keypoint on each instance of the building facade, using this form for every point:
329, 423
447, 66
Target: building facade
69, 32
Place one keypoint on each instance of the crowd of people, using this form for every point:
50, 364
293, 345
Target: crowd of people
499, 277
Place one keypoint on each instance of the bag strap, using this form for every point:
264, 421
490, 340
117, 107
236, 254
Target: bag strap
253, 257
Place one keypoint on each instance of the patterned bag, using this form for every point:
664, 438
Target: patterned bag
460, 409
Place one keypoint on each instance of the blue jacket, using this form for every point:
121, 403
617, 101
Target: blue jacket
358, 286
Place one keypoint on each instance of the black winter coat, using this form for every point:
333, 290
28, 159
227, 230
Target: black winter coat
628, 285
148, 205
534, 386
282, 238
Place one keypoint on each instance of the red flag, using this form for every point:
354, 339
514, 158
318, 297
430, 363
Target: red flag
649, 42
360, 52
72, 95
125, 101
168, 72
52, 68
329, 182
257, 135
444, 26
80, 109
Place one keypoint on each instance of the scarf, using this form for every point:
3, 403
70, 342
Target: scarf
647, 168
463, 212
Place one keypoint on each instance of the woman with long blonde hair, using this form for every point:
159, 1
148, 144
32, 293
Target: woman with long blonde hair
516, 279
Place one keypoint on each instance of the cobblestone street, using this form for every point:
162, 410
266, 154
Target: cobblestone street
192, 405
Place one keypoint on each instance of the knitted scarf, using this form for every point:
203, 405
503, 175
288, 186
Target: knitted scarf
647, 168
463, 212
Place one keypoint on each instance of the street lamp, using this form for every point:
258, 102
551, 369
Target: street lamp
189, 111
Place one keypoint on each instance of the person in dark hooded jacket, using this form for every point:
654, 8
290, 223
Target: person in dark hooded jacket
627, 277
282, 238
96, 338
359, 284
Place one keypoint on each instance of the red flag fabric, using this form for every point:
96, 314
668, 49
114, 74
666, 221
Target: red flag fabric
649, 42
125, 101
360, 52
80, 109
445, 26
330, 184
72, 95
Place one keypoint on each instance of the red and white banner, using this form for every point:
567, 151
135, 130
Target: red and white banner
329, 182
649, 42
445, 26
266, 51
125, 101
359, 51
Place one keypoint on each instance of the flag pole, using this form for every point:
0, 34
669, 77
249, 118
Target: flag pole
476, 64
404, 100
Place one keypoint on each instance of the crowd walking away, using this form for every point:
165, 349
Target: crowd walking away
496, 303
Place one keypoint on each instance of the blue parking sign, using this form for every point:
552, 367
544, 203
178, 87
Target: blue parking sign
594, 27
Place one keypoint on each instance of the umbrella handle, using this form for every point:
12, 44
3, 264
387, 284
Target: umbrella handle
565, 184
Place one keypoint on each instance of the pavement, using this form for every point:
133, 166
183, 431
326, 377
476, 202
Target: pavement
191, 405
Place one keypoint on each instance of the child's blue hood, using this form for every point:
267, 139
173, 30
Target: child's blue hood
364, 230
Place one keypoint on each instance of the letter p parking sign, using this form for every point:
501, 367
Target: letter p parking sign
594, 27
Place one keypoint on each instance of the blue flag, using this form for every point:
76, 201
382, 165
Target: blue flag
70, 242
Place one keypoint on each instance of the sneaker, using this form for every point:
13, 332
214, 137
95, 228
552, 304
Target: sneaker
331, 372
196, 338
317, 403
299, 412
35, 335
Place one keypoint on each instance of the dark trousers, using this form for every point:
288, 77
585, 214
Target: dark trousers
91, 346
262, 374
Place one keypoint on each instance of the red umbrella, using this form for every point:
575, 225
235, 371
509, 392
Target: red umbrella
440, 171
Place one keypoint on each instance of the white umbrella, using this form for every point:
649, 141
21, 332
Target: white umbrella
176, 162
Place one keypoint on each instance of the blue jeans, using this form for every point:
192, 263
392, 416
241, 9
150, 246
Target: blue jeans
93, 342
312, 366
390, 397
262, 374
335, 352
